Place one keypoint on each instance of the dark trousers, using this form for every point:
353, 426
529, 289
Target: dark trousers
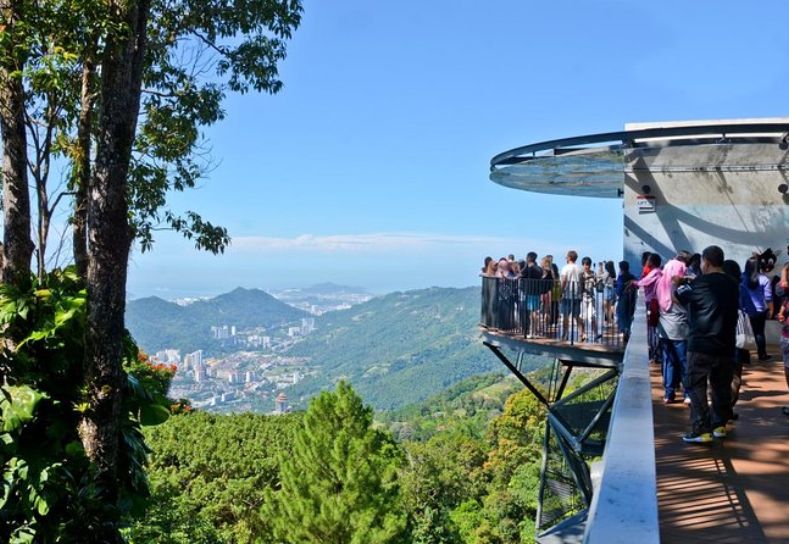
757, 324
718, 369
741, 357
675, 366
653, 340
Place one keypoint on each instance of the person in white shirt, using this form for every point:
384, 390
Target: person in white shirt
589, 301
570, 277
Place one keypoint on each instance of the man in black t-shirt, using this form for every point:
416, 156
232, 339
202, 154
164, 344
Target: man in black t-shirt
530, 285
712, 301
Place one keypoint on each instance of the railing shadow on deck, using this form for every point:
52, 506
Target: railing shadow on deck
701, 495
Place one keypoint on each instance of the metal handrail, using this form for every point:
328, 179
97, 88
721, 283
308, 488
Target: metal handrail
541, 309
627, 137
624, 507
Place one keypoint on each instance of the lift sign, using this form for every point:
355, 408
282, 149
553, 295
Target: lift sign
645, 203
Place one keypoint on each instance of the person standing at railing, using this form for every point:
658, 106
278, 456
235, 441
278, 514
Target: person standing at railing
570, 278
531, 274
673, 329
548, 281
485, 266
626, 300
588, 321
609, 292
556, 292
507, 288
712, 301
489, 311
491, 269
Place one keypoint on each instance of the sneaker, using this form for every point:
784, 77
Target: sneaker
766, 358
697, 438
719, 432
687, 400
668, 400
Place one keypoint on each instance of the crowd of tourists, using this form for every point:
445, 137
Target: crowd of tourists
577, 302
705, 315
708, 314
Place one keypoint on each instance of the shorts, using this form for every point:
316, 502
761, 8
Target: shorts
532, 302
588, 308
571, 305
610, 294
785, 351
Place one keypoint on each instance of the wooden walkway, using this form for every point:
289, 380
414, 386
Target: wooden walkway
736, 490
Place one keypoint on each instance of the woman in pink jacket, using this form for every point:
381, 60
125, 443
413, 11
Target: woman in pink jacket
673, 329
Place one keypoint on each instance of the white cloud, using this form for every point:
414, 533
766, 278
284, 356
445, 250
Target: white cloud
373, 242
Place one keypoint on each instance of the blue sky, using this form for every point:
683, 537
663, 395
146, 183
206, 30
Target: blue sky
370, 167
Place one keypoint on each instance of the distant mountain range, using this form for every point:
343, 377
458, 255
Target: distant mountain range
396, 349
158, 324
323, 297
329, 288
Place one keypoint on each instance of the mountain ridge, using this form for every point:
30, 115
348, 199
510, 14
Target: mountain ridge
158, 324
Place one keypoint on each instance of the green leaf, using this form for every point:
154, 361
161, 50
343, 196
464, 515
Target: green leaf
23, 535
43, 293
74, 448
42, 506
18, 406
153, 414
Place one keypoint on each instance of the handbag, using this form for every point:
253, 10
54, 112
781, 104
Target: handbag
745, 337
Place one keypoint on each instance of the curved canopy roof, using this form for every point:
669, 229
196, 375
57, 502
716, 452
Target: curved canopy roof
593, 165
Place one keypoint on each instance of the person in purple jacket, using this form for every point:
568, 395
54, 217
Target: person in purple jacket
756, 299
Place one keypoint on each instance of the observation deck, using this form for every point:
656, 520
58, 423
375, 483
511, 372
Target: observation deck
614, 467
527, 315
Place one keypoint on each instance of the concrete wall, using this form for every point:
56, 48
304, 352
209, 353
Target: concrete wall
724, 194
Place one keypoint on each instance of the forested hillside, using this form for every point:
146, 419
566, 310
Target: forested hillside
469, 404
158, 324
395, 350
400, 348
470, 477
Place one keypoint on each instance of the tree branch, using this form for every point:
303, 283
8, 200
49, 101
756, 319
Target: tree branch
210, 44
51, 210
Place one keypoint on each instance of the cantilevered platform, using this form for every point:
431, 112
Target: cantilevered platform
580, 353
736, 490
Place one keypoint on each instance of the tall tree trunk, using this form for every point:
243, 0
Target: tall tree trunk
17, 245
43, 228
84, 125
109, 241
40, 171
